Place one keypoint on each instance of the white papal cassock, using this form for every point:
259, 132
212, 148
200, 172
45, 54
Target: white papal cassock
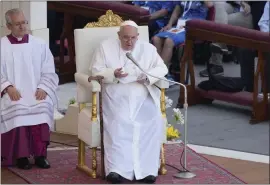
27, 66
133, 124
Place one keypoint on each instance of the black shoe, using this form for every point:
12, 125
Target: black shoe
42, 162
149, 179
215, 70
114, 178
23, 163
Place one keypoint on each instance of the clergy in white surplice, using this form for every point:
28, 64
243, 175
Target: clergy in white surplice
28, 95
133, 124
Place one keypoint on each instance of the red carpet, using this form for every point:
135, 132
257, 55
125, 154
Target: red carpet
63, 170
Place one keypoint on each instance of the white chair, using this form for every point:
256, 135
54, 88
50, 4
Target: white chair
86, 40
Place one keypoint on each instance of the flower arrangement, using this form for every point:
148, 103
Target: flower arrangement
171, 132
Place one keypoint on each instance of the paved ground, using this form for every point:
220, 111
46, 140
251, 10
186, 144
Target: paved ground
224, 125
218, 125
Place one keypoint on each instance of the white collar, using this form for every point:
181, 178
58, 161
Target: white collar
18, 38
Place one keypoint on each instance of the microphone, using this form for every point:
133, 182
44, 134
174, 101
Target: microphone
182, 174
130, 57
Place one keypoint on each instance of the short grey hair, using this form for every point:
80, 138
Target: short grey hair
11, 12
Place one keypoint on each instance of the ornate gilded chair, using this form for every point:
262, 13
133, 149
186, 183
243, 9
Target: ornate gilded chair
86, 40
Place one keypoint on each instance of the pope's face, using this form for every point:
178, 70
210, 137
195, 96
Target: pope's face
128, 36
18, 24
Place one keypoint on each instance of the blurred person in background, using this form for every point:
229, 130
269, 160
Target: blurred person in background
160, 12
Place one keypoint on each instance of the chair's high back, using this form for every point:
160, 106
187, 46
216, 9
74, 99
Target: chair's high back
88, 38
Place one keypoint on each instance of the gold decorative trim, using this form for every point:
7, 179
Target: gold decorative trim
94, 162
162, 169
94, 107
163, 103
108, 20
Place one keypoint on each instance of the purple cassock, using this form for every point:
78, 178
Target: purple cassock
24, 141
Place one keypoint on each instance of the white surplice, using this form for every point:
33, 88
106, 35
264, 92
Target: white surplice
133, 124
27, 67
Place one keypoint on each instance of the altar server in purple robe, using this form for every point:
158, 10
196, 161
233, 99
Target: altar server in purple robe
28, 95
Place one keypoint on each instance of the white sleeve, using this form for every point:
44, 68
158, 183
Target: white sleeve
264, 21
99, 67
158, 69
49, 79
4, 80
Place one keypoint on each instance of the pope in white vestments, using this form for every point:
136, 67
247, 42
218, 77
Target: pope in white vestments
133, 124
28, 95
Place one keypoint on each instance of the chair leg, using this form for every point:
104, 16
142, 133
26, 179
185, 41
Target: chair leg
81, 153
81, 157
94, 163
81, 150
187, 76
81, 160
162, 170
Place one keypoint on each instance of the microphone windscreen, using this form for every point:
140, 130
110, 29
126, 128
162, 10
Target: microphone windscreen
129, 55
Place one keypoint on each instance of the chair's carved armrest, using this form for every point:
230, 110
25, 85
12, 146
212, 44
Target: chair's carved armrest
82, 79
162, 84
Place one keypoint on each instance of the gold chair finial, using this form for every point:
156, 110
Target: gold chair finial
108, 20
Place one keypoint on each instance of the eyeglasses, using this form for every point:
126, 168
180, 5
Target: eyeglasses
22, 23
126, 38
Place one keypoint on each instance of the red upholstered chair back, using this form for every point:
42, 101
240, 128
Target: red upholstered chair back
211, 14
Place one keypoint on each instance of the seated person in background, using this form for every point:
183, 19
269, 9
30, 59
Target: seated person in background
247, 56
236, 13
264, 25
160, 12
170, 37
131, 106
140, 3
265, 19
28, 95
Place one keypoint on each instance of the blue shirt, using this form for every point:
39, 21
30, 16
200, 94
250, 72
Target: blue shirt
139, 3
155, 6
193, 10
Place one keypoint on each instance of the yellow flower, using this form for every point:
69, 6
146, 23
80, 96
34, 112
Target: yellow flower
172, 133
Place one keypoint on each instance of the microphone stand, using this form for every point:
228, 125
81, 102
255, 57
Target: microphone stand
182, 174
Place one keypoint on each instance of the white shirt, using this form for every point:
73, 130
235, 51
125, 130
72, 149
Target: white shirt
264, 21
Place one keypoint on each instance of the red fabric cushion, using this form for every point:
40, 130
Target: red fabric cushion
116, 7
241, 98
228, 29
